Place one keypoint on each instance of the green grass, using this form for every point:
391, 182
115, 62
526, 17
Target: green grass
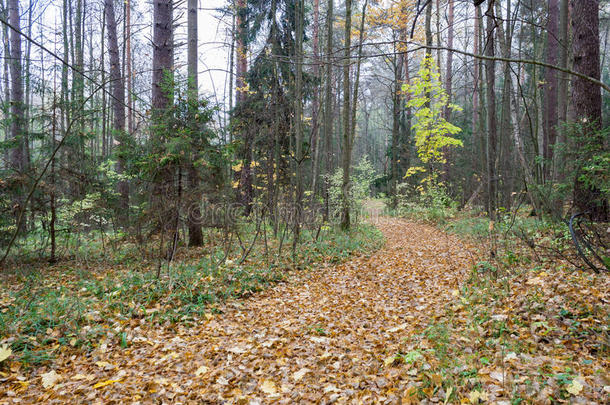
77, 304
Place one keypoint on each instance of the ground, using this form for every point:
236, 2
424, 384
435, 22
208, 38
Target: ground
379, 328
323, 335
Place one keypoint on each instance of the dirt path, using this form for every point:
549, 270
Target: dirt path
322, 337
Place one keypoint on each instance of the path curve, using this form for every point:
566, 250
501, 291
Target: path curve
319, 338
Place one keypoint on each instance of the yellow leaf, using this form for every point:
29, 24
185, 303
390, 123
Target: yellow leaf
201, 370
574, 388
105, 383
398, 328
50, 379
389, 360
300, 374
5, 352
448, 394
104, 364
476, 397
268, 387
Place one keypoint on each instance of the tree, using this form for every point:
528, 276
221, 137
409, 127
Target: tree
346, 156
551, 88
490, 94
587, 101
432, 131
194, 210
117, 86
18, 136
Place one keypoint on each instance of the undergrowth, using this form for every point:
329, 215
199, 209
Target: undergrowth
76, 304
529, 325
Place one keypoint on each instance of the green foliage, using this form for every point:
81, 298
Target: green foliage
362, 178
431, 203
80, 307
432, 131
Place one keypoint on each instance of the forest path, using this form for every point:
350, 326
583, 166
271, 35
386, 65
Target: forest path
320, 337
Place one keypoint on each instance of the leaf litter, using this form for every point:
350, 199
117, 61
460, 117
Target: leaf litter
393, 326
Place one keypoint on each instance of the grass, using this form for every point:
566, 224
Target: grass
75, 303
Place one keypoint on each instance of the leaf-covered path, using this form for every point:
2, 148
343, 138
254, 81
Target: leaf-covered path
327, 334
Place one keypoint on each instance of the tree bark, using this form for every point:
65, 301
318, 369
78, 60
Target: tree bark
117, 86
586, 99
346, 155
449, 74
315, 113
550, 89
298, 119
194, 181
490, 76
328, 103
17, 154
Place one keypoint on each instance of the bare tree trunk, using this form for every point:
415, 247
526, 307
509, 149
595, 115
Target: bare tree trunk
162, 52
346, 156
6, 81
395, 129
449, 74
563, 100
117, 86
128, 68
328, 103
298, 119
194, 210
550, 88
476, 119
17, 125
490, 75
164, 198
586, 98
315, 130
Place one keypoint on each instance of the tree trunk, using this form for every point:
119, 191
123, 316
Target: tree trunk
564, 48
315, 130
298, 119
476, 119
490, 76
449, 74
162, 52
346, 156
194, 209
550, 89
17, 154
328, 103
587, 100
117, 86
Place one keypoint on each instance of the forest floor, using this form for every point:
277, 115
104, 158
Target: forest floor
401, 325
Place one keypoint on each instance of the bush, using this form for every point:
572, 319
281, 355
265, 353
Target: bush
360, 189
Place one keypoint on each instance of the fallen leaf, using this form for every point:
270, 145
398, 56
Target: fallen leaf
300, 374
201, 370
50, 379
5, 352
105, 383
269, 387
398, 328
476, 397
574, 387
448, 394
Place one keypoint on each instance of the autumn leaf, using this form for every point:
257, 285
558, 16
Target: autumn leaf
269, 387
105, 383
300, 374
5, 352
477, 397
574, 387
201, 370
50, 379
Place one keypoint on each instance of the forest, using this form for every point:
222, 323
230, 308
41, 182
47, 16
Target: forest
305, 201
